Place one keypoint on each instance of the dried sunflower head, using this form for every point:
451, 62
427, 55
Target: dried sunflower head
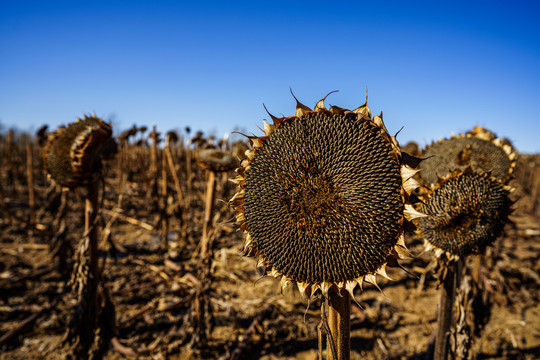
323, 198
411, 148
466, 212
124, 136
73, 154
41, 135
171, 137
216, 160
479, 149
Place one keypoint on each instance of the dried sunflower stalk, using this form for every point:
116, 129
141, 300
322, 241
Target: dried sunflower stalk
213, 161
73, 157
466, 211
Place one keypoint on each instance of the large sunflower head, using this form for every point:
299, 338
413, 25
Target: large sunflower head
479, 149
465, 212
324, 197
73, 154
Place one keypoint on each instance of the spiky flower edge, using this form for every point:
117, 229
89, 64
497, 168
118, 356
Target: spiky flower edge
439, 253
408, 168
482, 133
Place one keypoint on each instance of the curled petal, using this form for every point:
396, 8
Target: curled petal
320, 104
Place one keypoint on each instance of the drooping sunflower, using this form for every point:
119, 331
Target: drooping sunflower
73, 154
323, 198
479, 149
466, 212
216, 160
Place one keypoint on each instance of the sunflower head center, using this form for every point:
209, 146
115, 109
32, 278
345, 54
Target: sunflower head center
463, 221
309, 199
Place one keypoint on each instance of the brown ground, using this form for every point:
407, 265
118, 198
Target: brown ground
153, 295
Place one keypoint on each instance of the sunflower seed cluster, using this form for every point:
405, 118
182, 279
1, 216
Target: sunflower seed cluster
323, 198
447, 155
467, 213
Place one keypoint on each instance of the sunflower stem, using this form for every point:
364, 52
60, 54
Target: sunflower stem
90, 214
339, 315
179, 194
164, 194
445, 316
208, 212
84, 332
320, 334
188, 170
154, 167
120, 157
30, 177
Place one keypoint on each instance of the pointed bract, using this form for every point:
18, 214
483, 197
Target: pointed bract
320, 104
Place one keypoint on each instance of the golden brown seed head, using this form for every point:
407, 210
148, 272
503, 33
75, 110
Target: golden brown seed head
322, 198
466, 212
411, 148
171, 137
73, 154
478, 149
324, 205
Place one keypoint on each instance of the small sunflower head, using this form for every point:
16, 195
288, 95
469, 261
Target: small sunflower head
41, 135
171, 137
465, 212
411, 148
73, 154
216, 160
124, 136
479, 149
323, 199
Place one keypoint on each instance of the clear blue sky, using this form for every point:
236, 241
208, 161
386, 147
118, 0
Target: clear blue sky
434, 67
